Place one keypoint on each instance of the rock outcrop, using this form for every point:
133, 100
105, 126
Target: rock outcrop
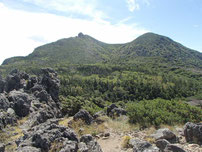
36, 98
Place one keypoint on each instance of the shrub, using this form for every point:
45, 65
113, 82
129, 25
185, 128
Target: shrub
160, 111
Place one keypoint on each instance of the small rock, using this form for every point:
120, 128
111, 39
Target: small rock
106, 134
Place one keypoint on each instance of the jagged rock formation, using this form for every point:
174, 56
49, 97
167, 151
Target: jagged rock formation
37, 99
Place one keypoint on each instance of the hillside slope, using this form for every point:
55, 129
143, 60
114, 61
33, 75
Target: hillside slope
149, 48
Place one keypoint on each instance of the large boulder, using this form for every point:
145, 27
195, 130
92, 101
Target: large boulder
21, 102
193, 132
165, 133
4, 103
83, 115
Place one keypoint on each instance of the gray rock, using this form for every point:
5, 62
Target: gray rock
114, 111
165, 133
70, 146
51, 83
173, 148
7, 119
193, 132
2, 85
45, 134
162, 143
83, 115
21, 102
82, 147
43, 96
28, 149
37, 87
41, 141
91, 144
142, 146
13, 81
2, 147
31, 82
118, 112
4, 103
10, 111
109, 108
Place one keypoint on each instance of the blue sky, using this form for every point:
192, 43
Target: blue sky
26, 24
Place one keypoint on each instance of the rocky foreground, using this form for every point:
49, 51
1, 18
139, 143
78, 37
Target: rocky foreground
30, 113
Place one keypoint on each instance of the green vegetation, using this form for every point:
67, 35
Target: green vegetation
150, 70
159, 111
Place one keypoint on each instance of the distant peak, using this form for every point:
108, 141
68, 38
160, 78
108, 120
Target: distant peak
81, 34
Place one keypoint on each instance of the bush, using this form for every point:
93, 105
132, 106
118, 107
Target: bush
160, 111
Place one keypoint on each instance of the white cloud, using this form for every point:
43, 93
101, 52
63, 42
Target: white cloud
135, 4
23, 31
132, 5
84, 7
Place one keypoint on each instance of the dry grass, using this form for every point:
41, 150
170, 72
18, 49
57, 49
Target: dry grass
12, 133
125, 142
56, 146
64, 122
81, 128
121, 125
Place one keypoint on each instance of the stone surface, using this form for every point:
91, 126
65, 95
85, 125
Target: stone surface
4, 103
142, 146
83, 115
51, 83
28, 149
162, 143
21, 102
173, 148
2, 147
165, 133
91, 144
114, 111
193, 132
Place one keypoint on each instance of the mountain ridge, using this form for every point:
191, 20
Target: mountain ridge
84, 49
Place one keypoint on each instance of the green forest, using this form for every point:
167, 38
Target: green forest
152, 70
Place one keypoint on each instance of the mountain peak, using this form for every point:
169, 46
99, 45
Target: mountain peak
81, 35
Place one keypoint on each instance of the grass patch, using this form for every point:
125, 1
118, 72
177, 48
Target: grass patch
81, 128
121, 124
125, 142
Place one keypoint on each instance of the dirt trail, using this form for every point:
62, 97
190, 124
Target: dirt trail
112, 143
